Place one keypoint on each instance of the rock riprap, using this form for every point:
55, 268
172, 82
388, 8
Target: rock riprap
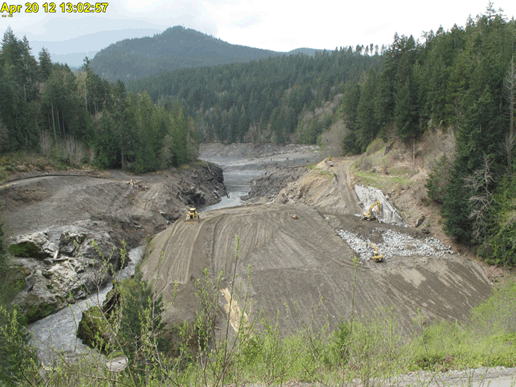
394, 244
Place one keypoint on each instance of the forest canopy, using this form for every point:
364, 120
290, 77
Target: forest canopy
83, 118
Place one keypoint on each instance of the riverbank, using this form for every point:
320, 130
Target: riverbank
52, 223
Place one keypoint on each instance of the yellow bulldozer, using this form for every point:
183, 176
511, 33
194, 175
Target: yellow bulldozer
376, 257
369, 215
192, 216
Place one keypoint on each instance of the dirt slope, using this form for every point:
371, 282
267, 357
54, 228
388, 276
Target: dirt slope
329, 189
302, 268
133, 206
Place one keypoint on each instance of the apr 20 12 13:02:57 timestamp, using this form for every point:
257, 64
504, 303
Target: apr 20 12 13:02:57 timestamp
8, 10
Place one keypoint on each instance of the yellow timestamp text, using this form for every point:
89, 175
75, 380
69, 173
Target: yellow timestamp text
8, 10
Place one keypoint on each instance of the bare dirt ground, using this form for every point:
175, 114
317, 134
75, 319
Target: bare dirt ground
301, 267
133, 206
52, 223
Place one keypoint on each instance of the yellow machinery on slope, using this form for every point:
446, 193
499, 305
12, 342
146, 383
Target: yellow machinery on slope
192, 216
376, 257
369, 214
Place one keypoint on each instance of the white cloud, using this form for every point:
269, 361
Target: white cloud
269, 24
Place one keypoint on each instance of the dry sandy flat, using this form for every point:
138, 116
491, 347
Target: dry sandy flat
300, 268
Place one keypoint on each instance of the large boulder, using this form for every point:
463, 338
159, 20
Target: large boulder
63, 264
95, 326
94, 329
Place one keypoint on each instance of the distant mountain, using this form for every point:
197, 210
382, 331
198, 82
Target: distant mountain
73, 51
304, 50
175, 48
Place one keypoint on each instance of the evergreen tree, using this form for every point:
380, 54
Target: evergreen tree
45, 65
368, 128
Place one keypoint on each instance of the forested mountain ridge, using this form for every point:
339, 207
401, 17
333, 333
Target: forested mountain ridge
175, 48
263, 100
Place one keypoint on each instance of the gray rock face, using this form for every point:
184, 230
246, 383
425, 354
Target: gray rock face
65, 264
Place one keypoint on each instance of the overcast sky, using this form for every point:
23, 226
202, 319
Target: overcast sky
269, 24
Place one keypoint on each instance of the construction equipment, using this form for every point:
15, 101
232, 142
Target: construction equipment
376, 257
369, 215
192, 216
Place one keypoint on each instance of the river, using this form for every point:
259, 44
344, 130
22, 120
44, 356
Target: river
239, 171
57, 332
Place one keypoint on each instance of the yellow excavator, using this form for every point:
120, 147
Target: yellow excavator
369, 215
376, 257
192, 216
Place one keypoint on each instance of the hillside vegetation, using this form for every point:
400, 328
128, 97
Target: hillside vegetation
76, 118
173, 49
266, 100
463, 81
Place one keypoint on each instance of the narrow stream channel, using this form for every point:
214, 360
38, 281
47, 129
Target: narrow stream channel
57, 332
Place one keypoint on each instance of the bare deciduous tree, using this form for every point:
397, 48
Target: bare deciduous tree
481, 202
73, 150
45, 143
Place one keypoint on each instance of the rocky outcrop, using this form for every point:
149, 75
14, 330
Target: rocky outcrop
272, 182
66, 234
63, 264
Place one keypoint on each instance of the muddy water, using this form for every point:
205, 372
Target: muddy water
57, 332
238, 172
237, 184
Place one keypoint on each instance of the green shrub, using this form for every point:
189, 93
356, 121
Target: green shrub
364, 163
439, 179
375, 146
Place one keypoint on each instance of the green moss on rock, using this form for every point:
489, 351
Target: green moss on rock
93, 329
26, 250
37, 311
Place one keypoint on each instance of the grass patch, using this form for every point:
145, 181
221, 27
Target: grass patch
385, 183
363, 350
326, 174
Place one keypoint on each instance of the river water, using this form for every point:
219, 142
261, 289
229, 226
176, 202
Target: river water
57, 332
238, 172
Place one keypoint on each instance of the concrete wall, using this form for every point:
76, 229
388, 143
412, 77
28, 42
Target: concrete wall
388, 212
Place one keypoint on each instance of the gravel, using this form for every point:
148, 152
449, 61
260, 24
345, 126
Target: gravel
394, 244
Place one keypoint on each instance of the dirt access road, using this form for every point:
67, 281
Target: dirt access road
302, 270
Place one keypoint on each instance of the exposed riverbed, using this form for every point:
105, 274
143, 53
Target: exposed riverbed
244, 163
57, 332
